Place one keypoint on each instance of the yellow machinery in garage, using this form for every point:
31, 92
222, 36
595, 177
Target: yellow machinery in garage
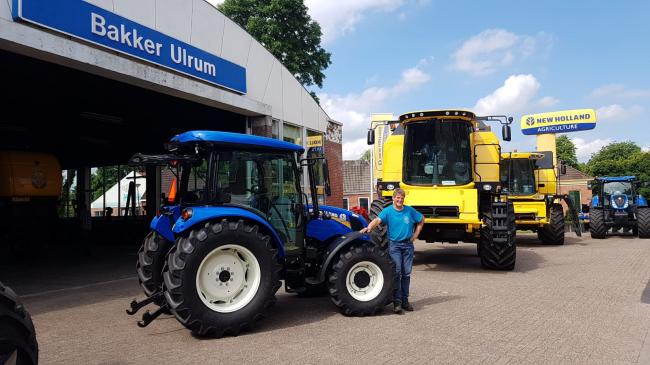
448, 163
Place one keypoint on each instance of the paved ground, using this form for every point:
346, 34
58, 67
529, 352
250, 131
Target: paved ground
587, 302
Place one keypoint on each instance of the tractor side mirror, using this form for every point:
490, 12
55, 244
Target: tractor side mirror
371, 136
645, 184
506, 132
590, 185
562, 168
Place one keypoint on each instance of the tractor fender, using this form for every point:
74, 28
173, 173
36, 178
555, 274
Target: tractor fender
335, 248
163, 225
202, 214
595, 201
641, 201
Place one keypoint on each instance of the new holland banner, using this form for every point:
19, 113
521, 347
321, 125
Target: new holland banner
559, 122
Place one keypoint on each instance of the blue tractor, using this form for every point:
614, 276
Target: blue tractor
239, 224
617, 204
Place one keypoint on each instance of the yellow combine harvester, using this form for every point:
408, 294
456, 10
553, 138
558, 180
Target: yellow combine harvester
448, 163
530, 180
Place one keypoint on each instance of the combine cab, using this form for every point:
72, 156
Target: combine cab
448, 163
616, 204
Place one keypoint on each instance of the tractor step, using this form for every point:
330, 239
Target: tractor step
148, 317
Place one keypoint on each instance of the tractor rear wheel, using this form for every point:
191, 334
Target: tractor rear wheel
643, 222
497, 248
151, 258
361, 280
17, 334
221, 278
379, 234
553, 233
597, 226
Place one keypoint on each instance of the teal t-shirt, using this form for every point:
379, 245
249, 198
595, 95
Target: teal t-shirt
400, 223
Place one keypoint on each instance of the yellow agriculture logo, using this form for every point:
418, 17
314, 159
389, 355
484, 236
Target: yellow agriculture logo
559, 122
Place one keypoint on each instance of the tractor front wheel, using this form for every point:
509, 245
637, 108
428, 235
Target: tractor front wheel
361, 280
597, 226
221, 278
553, 233
643, 222
17, 334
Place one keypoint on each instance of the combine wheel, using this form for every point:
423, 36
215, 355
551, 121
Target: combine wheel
17, 335
553, 233
361, 280
597, 226
643, 222
151, 258
379, 234
498, 248
221, 278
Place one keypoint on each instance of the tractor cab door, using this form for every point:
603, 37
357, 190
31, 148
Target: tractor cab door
267, 183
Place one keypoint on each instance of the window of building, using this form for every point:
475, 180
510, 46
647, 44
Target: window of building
363, 203
275, 129
346, 203
291, 134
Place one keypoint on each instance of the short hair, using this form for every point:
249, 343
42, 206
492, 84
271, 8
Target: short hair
399, 191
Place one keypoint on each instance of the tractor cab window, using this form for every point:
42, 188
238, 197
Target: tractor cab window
518, 176
268, 183
617, 188
193, 182
437, 152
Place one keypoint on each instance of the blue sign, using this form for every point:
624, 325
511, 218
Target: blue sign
86, 21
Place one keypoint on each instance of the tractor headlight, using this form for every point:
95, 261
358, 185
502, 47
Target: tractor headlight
187, 214
487, 187
390, 187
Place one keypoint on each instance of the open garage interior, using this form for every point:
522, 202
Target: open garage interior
92, 125
87, 120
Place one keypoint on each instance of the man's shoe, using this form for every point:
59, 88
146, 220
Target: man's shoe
397, 308
407, 306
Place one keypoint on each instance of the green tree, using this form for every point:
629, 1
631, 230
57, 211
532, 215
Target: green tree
613, 159
105, 177
620, 159
287, 31
566, 151
365, 156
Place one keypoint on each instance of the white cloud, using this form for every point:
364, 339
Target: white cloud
515, 95
483, 53
547, 101
337, 18
617, 112
584, 148
619, 91
353, 110
646, 148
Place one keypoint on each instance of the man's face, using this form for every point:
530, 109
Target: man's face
398, 200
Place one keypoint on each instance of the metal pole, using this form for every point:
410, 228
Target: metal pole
372, 150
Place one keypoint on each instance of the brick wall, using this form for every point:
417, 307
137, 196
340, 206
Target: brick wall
334, 155
353, 199
581, 186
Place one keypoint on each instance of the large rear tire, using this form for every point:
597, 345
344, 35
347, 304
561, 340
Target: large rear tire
151, 259
553, 233
643, 222
498, 248
361, 280
17, 334
221, 278
380, 234
597, 226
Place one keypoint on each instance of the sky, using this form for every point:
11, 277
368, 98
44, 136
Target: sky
490, 57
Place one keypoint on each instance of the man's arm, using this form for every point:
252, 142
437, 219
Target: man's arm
418, 229
374, 223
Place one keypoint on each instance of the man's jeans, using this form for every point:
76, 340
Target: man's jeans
401, 253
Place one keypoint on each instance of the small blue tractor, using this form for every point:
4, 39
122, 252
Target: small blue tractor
239, 223
617, 204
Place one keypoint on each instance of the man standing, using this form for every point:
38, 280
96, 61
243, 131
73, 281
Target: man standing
400, 220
